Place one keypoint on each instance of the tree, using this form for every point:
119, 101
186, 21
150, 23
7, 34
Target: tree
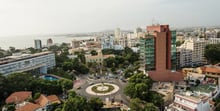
67, 66
12, 49
179, 43
33, 50
94, 52
66, 84
1, 54
71, 94
138, 86
212, 53
77, 103
36, 95
155, 98
82, 58
109, 62
95, 104
140, 105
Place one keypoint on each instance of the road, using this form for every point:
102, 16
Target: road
118, 96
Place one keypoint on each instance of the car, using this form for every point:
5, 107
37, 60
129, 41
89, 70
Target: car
91, 83
123, 80
78, 88
111, 82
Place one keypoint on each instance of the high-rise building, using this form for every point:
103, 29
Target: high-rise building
158, 51
37, 44
117, 35
49, 42
137, 32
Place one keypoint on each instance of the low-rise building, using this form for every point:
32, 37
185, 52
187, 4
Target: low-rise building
97, 58
188, 101
166, 89
34, 63
21, 100
75, 43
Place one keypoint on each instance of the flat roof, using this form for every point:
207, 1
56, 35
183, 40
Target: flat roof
9, 59
207, 88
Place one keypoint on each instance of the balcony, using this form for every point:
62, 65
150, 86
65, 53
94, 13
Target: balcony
185, 104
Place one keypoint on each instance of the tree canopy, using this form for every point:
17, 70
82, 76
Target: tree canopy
138, 86
212, 53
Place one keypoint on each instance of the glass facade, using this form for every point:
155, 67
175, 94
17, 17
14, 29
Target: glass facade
173, 50
147, 52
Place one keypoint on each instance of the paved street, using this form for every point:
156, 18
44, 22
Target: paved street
85, 82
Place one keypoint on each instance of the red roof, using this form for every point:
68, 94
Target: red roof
53, 99
18, 97
210, 69
28, 107
42, 100
165, 76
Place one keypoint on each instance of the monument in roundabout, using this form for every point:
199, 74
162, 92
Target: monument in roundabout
102, 89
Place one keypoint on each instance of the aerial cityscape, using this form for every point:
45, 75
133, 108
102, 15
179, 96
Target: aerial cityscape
118, 55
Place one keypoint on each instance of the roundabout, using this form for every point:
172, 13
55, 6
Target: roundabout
102, 89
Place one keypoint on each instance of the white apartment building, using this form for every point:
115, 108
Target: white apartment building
185, 57
39, 63
187, 101
192, 51
132, 40
117, 35
107, 42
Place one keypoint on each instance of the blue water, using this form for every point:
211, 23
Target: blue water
50, 78
21, 42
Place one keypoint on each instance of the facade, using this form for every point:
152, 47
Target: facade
137, 32
158, 52
75, 44
34, 63
132, 40
192, 51
97, 58
188, 101
184, 57
49, 42
37, 44
107, 42
117, 35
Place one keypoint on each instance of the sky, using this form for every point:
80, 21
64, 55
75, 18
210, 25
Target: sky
28, 17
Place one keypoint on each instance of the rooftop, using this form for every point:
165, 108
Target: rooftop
207, 88
165, 76
194, 97
28, 107
18, 97
14, 58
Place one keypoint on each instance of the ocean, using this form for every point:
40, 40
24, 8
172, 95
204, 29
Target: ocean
21, 42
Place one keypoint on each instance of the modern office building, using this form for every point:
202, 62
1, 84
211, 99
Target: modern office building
37, 44
158, 51
34, 63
